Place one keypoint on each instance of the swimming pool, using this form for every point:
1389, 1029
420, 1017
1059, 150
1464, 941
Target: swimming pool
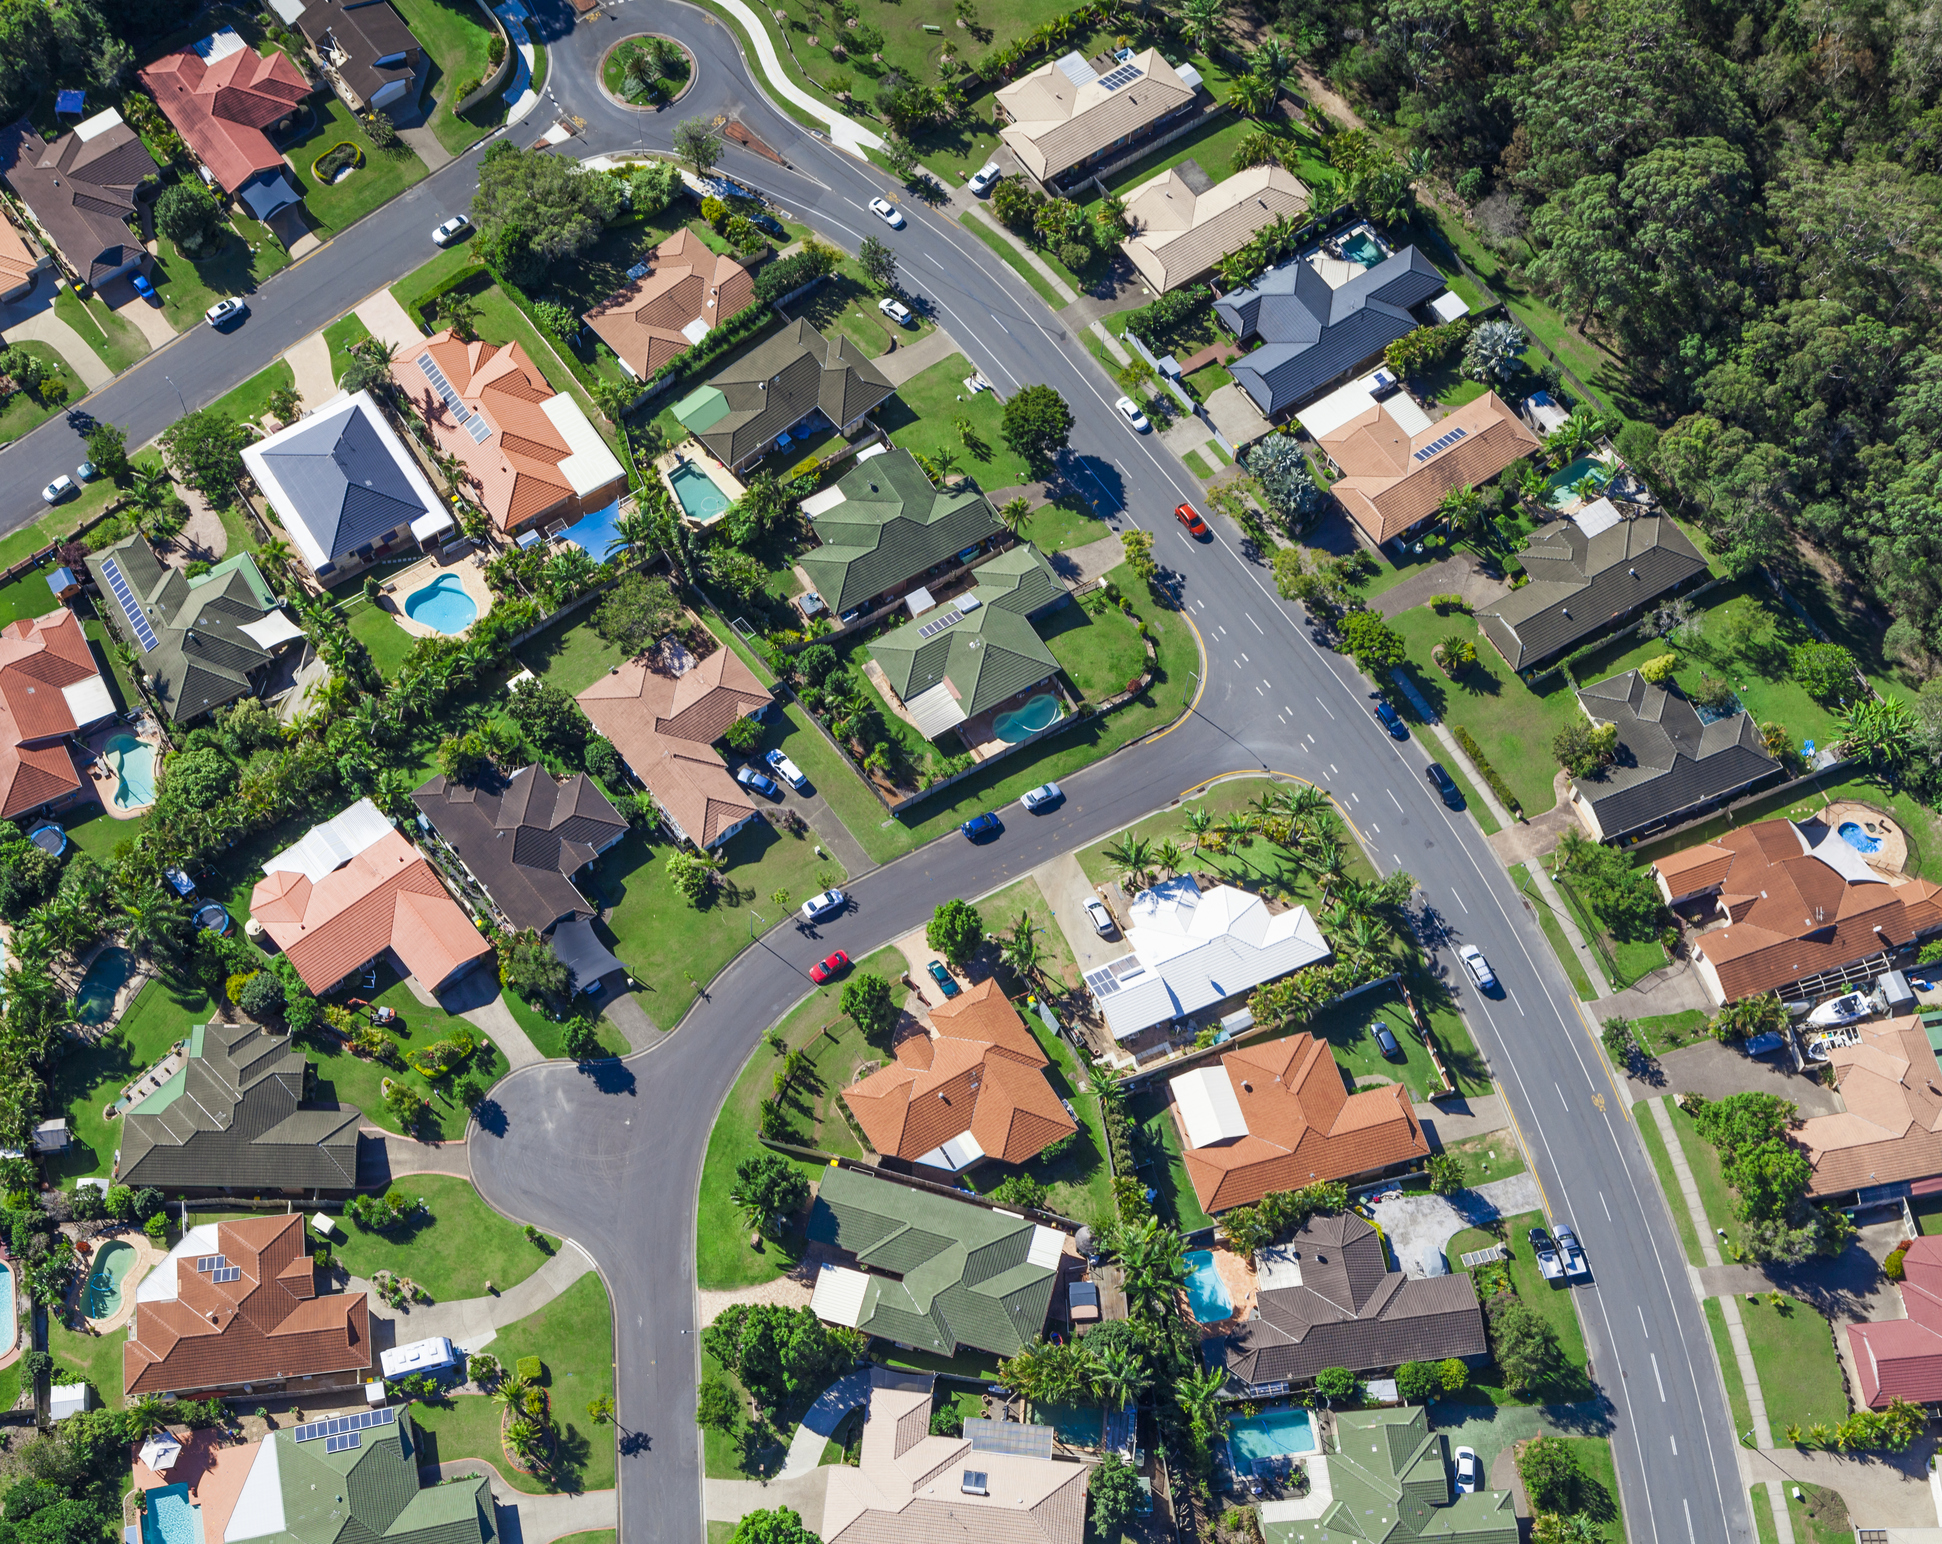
1857, 838
1557, 487
1076, 1425
96, 998
1041, 712
171, 1517
1206, 1292
697, 491
443, 605
112, 1263
1273, 1433
134, 764
1362, 248
9, 1332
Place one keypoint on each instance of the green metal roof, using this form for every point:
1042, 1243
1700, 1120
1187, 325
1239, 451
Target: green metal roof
891, 526
371, 1492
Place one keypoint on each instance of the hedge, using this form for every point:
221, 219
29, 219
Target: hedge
793, 272
1497, 785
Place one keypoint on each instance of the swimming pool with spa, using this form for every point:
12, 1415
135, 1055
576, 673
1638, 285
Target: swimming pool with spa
112, 1263
1284, 1431
1856, 837
134, 763
95, 1000
1206, 1292
171, 1518
443, 605
699, 494
1041, 712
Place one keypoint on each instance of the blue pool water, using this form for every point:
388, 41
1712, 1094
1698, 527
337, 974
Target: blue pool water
8, 1330
1273, 1433
1077, 1425
1022, 723
443, 605
102, 1295
96, 998
697, 492
1363, 248
171, 1517
1857, 838
1206, 1292
134, 764
1558, 484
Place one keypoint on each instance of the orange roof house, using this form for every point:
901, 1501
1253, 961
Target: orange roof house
664, 721
529, 453
354, 888
222, 96
1890, 1130
49, 688
1394, 480
973, 1088
686, 292
1277, 1116
236, 1304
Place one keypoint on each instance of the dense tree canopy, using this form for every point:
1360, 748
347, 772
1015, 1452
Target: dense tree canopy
534, 207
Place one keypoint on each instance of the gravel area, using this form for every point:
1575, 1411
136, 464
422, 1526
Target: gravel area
1418, 1226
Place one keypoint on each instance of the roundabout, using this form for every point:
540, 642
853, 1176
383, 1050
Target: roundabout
647, 71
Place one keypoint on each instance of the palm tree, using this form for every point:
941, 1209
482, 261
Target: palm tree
1133, 854
1169, 856
1234, 826
1119, 1375
1303, 804
1574, 849
1198, 823
274, 560
1273, 62
1252, 96
144, 1415
1012, 513
1463, 513
1154, 1260
1330, 866
1019, 948
1199, 1396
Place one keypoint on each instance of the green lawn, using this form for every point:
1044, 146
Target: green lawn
745, 1450
1062, 524
1653, 1141
1670, 1031
1820, 1516
1001, 910
846, 303
1729, 1370
1626, 960
26, 411
27, 596
91, 828
921, 417
1014, 258
1715, 1195
1759, 1502
340, 334
1486, 1158
1554, 1305
1160, 1167
80, 1357
379, 178
249, 401
1560, 945
89, 1076
463, 1245
1213, 147
190, 286
457, 38
379, 632
570, 654
1598, 1495
1794, 1357
1197, 465
1097, 645
116, 340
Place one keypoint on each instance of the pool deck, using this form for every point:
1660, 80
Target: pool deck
468, 566
692, 452
107, 781
1890, 859
980, 733
214, 1474
1237, 1276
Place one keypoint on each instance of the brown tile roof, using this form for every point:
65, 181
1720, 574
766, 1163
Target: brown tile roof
1055, 124
1180, 234
1891, 1128
80, 190
39, 656
1303, 1125
686, 283
266, 1325
664, 724
387, 897
222, 109
1902, 1358
1389, 486
981, 1072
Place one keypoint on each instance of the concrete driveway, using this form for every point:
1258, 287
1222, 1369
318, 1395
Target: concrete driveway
1418, 1226
1715, 1071
1066, 890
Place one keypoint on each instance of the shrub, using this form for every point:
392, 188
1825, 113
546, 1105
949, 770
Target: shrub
716, 1404
1551, 1474
1446, 1174
1582, 747
1895, 1267
1826, 670
1489, 773
1418, 1380
1427, 347
262, 995
1443, 605
1337, 1383
1659, 668
1376, 646
531, 1368
800, 268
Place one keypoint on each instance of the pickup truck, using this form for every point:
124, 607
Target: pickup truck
1575, 1265
1548, 1261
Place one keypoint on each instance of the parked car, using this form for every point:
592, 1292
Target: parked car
1067, 1103
1391, 720
897, 311
448, 232
1100, 918
1548, 1263
1444, 784
143, 287
1469, 1471
85, 472
818, 907
760, 782
58, 489
1572, 1253
887, 212
787, 770
979, 827
984, 177
1763, 1045
1129, 410
945, 982
1188, 516
1386, 1040
223, 312
771, 224
835, 965
1043, 797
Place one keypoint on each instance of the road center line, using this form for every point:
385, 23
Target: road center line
1655, 1376
1459, 896
1257, 626
1642, 1328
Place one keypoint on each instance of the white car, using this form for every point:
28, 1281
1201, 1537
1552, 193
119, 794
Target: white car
787, 770
444, 235
983, 178
1478, 966
887, 212
58, 489
1043, 797
819, 906
225, 311
897, 311
1469, 1471
1100, 918
1130, 411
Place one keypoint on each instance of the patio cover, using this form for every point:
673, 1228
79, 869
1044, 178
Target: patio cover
270, 629
701, 409
576, 947
429, 525
329, 846
264, 196
838, 1298
935, 711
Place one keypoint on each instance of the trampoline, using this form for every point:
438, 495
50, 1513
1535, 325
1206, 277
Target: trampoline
50, 839
213, 917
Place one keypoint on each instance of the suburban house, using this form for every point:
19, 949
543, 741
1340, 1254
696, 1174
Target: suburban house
345, 486
972, 1087
1888, 1132
202, 642
1668, 764
1075, 114
936, 1273
676, 296
1799, 911
1179, 234
916, 1488
789, 387
50, 688
225, 100
664, 714
354, 891
81, 192
233, 1118
1396, 471
1388, 1464
21, 263
235, 1308
886, 529
1588, 573
1275, 1115
954, 665
1902, 1358
1193, 948
1313, 334
530, 456
1327, 1298
369, 54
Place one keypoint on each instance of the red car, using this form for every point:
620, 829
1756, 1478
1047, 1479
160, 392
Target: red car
835, 965
1188, 516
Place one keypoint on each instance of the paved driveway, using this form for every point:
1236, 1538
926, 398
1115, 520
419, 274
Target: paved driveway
1418, 1226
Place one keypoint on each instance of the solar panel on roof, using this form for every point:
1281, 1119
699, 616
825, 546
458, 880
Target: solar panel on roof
131, 608
933, 628
479, 429
1102, 981
1440, 444
1125, 75
638, 271
1009, 1437
343, 1442
460, 413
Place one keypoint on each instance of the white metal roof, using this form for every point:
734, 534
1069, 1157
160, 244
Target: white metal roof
591, 464
822, 503
158, 1286
431, 523
88, 700
959, 1153
1599, 515
1208, 1106
838, 1298
920, 600
1048, 1245
935, 710
259, 1505
1329, 413
65, 1399
1449, 305
334, 843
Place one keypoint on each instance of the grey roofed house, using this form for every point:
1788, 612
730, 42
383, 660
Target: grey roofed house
202, 655
780, 382
81, 189
1587, 573
939, 1273
1312, 335
1669, 763
524, 837
233, 1117
1330, 1300
884, 524
367, 44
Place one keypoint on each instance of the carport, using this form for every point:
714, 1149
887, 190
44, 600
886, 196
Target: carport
577, 948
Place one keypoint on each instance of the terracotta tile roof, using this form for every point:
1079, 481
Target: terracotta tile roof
385, 897
1902, 1358
222, 109
1891, 1127
266, 1325
1055, 122
645, 323
1180, 234
1391, 484
40, 659
663, 725
981, 1072
1303, 1125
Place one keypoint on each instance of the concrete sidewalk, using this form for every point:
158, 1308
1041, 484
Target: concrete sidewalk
473, 1322
527, 1519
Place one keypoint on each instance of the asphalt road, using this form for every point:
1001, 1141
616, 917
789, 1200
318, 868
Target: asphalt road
612, 1156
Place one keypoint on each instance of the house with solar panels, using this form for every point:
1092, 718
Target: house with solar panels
1079, 115
346, 488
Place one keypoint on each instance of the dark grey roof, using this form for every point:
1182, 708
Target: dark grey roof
1668, 761
523, 836
1581, 584
1311, 334
234, 1118
348, 488
891, 526
782, 380
365, 31
1352, 1311
81, 191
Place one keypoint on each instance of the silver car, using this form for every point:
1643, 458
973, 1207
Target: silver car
1043, 797
1100, 918
819, 906
1478, 966
444, 235
984, 177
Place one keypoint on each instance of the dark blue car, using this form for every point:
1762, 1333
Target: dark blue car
1392, 721
748, 777
980, 827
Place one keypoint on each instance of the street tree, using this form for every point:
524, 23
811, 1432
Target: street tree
699, 143
879, 262
1037, 424
955, 931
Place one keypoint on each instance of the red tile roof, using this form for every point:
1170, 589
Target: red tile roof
1387, 489
1902, 1358
38, 657
686, 283
222, 109
1889, 1128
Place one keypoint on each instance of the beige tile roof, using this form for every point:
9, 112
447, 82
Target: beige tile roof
1056, 124
1179, 234
1386, 489
1891, 1129
39, 656
685, 283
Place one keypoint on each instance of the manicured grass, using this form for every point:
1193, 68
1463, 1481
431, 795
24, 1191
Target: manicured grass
1025, 897
92, 829
1729, 1370
190, 286
1847, 620
453, 1254
249, 401
500, 321
91, 1075
1554, 1305
1160, 1166
10, 1384
1213, 147
117, 341
1254, 861
425, 278
570, 654
1488, 1158
1197, 466
1560, 945
1759, 1503
1794, 1357
27, 596
25, 411
457, 38
379, 178
1715, 1195
847, 304
1653, 1141
836, 1048
1598, 1496
379, 632
921, 417
745, 1450
80, 1357
1626, 960
1670, 1031
548, 1034
1097, 645
1062, 524
1014, 258
1820, 1516
340, 335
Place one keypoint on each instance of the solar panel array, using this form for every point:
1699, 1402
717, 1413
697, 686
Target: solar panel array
1108, 978
130, 608
1012, 1437
474, 425
343, 1441
1125, 75
975, 1482
638, 271
479, 429
226, 1273
1443, 444
211, 1262
344, 1426
932, 629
